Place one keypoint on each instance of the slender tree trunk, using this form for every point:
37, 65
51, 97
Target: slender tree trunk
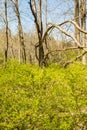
83, 26
77, 19
6, 23
37, 14
46, 14
21, 37
40, 33
46, 23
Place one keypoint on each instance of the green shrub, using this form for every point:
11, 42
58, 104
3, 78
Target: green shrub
49, 98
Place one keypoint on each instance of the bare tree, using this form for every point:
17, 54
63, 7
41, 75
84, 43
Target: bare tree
20, 32
76, 22
83, 25
43, 34
7, 36
80, 18
37, 13
77, 18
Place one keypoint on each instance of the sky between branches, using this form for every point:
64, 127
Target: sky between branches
58, 11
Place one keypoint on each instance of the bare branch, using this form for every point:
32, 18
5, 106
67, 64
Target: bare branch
63, 31
65, 49
76, 25
75, 59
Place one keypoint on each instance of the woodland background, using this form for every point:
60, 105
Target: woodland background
43, 69
42, 32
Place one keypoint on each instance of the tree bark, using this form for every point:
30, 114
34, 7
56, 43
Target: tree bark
37, 14
40, 33
21, 37
83, 26
77, 19
7, 37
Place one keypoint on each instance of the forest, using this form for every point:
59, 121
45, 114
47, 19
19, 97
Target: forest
43, 65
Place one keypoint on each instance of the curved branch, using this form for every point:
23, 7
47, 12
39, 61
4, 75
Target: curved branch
76, 25
63, 31
58, 26
45, 34
79, 56
65, 49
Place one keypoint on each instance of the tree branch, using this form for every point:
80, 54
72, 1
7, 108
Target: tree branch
65, 49
34, 13
63, 31
78, 57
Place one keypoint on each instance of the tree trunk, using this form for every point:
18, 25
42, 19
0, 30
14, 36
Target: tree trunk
46, 23
37, 14
40, 33
6, 23
77, 19
21, 37
83, 26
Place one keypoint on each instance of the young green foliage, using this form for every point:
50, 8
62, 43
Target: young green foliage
49, 98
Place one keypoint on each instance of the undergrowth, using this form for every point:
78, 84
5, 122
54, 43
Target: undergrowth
48, 98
